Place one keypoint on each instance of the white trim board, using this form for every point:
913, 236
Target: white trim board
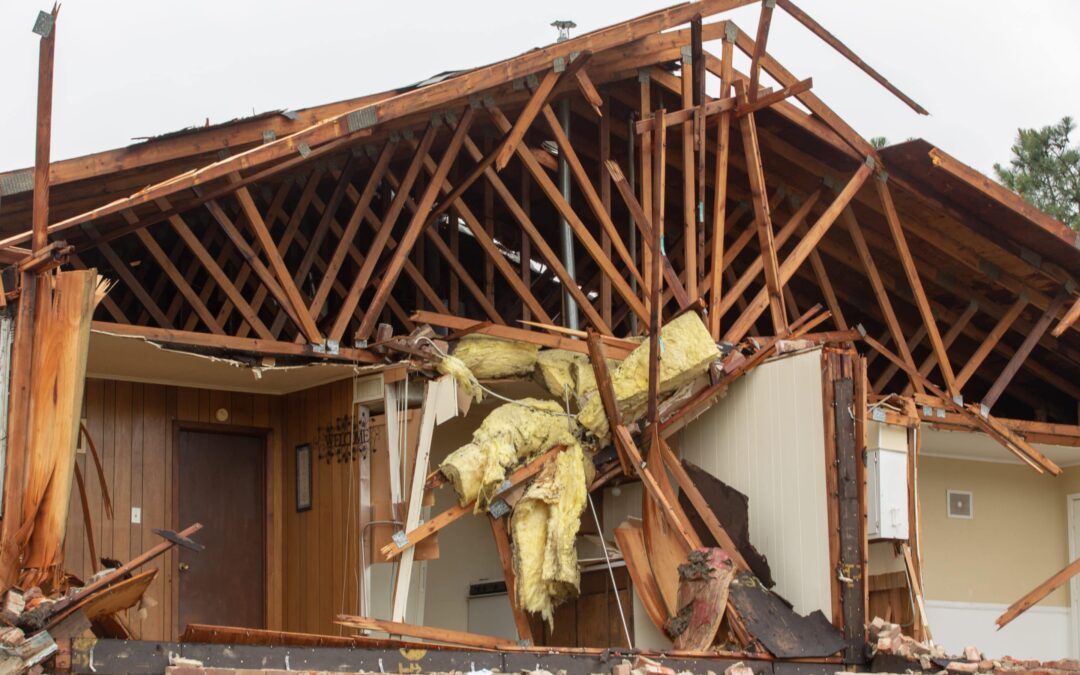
1039, 633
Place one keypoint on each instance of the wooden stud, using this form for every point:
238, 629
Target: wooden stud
764, 22
506, 558
720, 191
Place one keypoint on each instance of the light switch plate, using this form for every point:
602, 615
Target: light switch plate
136, 515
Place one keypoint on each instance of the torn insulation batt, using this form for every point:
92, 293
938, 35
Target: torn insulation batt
545, 524
511, 435
491, 358
686, 350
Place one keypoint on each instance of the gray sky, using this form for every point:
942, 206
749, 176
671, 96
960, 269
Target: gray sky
130, 68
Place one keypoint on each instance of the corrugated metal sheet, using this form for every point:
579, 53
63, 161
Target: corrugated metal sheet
766, 439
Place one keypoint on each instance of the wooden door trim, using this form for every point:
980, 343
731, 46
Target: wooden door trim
272, 524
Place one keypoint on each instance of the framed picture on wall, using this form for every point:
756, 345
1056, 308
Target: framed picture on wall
303, 477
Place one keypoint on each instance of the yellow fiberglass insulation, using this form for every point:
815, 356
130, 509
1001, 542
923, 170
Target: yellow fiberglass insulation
556, 368
456, 368
545, 524
686, 350
491, 358
512, 434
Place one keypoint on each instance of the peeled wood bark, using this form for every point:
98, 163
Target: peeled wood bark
58, 375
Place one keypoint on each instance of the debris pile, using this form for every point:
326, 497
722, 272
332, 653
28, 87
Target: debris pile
898, 652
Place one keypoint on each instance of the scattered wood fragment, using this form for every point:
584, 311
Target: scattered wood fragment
425, 632
703, 594
1038, 593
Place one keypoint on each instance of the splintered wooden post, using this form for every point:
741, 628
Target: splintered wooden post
45, 26
506, 558
607, 397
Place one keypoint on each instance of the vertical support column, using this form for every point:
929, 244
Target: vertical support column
526, 242
645, 83
839, 393
566, 236
605, 198
45, 26
689, 178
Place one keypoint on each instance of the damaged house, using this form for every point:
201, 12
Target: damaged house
625, 353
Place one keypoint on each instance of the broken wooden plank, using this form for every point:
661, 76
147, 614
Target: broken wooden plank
454, 637
703, 599
1037, 594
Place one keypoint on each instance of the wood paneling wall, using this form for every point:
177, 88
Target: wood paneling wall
133, 427
313, 558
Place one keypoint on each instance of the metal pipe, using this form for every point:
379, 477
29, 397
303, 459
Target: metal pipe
566, 236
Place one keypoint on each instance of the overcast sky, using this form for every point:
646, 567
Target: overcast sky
132, 68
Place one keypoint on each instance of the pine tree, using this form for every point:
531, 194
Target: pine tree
1045, 170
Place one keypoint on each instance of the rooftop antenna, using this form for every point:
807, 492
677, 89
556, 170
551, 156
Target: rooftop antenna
564, 29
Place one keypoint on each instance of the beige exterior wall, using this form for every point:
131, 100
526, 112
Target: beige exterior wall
1017, 538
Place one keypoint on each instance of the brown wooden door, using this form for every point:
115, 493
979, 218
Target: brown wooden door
222, 484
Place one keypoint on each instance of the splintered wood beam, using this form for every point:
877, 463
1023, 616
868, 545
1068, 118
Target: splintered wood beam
589, 91
831, 40
419, 219
720, 191
550, 257
991, 340
124, 272
911, 271
506, 558
177, 278
607, 398
213, 268
704, 511
1038, 593
799, 254
108, 303
348, 235
277, 264
764, 22
756, 173
1068, 320
363, 275
592, 198
880, 293
554, 195
1024, 351
643, 222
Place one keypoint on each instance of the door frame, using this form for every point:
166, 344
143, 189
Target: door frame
1074, 583
271, 522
